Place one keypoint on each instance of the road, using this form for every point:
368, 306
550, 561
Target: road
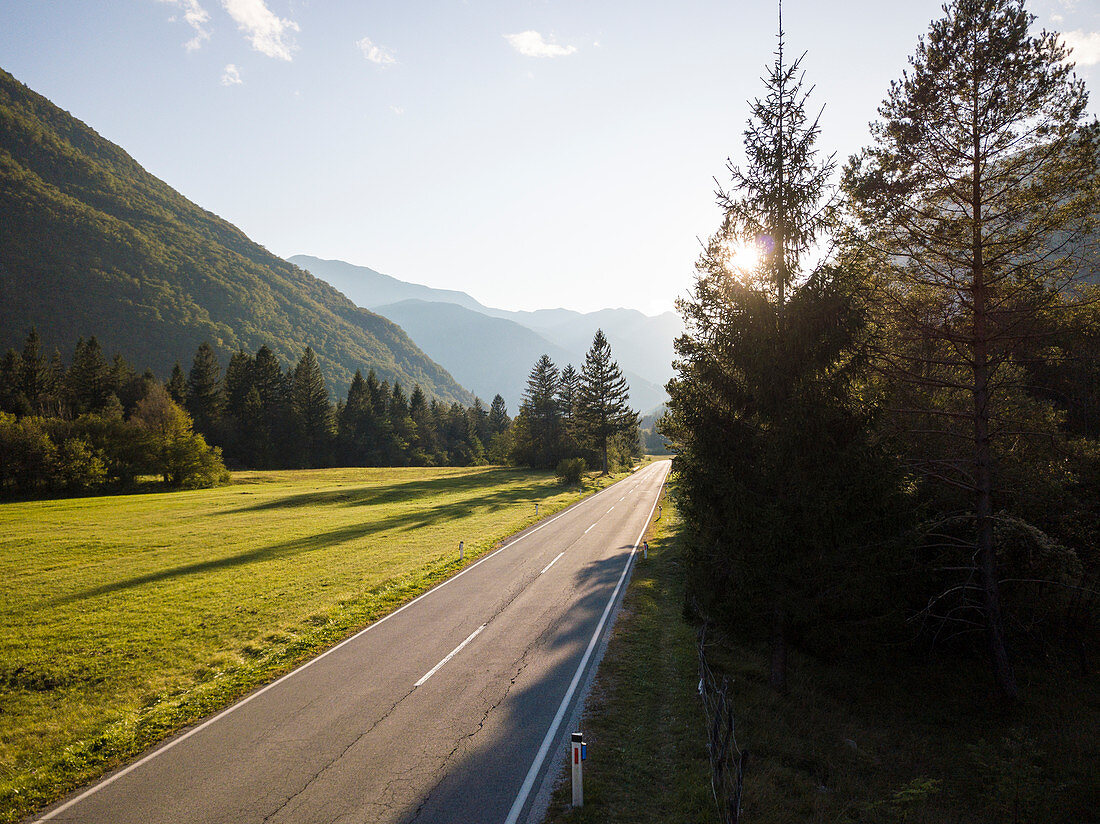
452, 709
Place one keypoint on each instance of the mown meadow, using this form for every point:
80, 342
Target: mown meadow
128, 617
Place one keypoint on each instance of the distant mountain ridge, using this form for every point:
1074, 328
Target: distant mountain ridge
92, 244
641, 344
488, 354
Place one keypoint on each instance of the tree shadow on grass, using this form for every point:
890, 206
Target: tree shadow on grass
403, 521
399, 492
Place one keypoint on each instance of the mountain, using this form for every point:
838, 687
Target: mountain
369, 288
489, 355
92, 244
642, 344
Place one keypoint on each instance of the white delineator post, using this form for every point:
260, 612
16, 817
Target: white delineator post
576, 759
461, 550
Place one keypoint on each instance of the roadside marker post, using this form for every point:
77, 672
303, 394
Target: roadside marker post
579, 752
536, 510
645, 550
461, 550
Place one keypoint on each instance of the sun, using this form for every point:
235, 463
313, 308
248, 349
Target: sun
743, 256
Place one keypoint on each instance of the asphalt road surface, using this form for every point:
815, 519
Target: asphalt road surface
452, 709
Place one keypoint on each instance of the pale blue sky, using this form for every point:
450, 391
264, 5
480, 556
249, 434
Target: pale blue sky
532, 153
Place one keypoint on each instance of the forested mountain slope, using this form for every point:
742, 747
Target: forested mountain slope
92, 244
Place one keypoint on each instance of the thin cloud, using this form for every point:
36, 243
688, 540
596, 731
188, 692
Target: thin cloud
532, 44
196, 17
1085, 45
268, 33
231, 76
375, 53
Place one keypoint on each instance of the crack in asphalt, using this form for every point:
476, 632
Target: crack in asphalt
519, 666
312, 779
389, 790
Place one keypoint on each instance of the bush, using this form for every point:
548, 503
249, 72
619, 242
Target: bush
79, 468
569, 470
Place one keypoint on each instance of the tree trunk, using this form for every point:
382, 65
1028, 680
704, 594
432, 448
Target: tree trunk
777, 678
987, 554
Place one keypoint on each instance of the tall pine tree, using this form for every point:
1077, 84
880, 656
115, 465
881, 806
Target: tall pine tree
603, 413
976, 201
205, 393
312, 411
766, 408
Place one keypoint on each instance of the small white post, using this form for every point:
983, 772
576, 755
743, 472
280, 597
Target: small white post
659, 512
576, 759
536, 510
461, 550
645, 550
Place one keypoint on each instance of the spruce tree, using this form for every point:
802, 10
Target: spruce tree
312, 410
35, 380
480, 417
538, 425
12, 399
205, 392
568, 398
240, 425
976, 202
764, 410
355, 424
177, 385
273, 438
87, 380
498, 416
603, 413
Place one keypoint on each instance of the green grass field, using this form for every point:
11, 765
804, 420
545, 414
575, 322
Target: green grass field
128, 617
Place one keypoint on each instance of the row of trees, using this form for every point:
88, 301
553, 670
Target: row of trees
567, 415
913, 420
256, 413
92, 425
264, 417
116, 424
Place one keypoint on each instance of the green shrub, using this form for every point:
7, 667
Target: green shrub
569, 470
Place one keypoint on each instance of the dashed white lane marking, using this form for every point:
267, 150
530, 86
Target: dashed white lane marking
589, 529
540, 757
608, 511
450, 655
545, 568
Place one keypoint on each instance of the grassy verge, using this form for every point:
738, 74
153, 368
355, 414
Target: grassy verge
889, 737
647, 761
915, 740
126, 618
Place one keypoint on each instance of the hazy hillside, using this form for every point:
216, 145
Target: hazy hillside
486, 355
92, 244
370, 289
642, 344
489, 355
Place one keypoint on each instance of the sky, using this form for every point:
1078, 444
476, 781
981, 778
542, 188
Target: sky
532, 153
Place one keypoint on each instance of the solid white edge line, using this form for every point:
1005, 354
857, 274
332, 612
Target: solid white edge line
168, 745
450, 655
536, 766
547, 567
